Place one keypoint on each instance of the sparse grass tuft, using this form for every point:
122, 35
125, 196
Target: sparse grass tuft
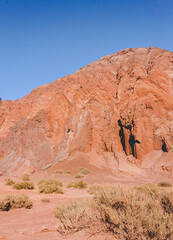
144, 212
50, 186
79, 176
164, 184
10, 182
59, 171
45, 200
79, 184
15, 201
68, 172
46, 167
25, 177
24, 185
84, 171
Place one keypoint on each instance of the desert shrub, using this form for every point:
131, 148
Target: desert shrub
25, 177
68, 172
50, 186
10, 182
79, 176
24, 185
46, 167
59, 171
72, 216
164, 184
144, 212
95, 189
84, 170
79, 184
45, 200
15, 201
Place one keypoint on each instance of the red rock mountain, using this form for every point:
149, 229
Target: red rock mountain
115, 113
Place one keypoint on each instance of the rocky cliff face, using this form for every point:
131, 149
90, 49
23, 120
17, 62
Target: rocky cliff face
117, 109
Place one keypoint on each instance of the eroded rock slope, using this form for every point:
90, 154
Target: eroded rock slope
116, 113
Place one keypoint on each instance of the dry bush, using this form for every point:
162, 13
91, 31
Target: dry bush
164, 184
95, 189
24, 185
25, 177
59, 171
45, 200
10, 182
79, 176
15, 201
46, 167
68, 171
84, 171
79, 184
139, 213
50, 186
73, 216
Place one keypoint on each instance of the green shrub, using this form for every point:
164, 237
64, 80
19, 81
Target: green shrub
144, 212
84, 171
24, 185
15, 201
50, 186
25, 177
79, 176
79, 184
164, 184
46, 167
10, 182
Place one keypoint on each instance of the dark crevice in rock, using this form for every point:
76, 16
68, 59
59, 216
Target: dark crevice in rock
164, 148
106, 149
132, 141
122, 136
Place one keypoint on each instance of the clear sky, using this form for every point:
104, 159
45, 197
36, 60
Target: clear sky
42, 40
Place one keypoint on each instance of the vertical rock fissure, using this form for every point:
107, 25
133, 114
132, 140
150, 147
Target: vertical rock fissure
132, 141
122, 136
164, 147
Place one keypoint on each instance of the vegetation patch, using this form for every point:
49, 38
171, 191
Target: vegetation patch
46, 167
68, 171
50, 186
15, 201
25, 177
24, 185
84, 171
79, 176
164, 184
59, 171
95, 189
144, 212
79, 184
10, 182
71, 215
45, 200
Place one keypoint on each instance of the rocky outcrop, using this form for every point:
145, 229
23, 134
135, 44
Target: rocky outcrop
119, 105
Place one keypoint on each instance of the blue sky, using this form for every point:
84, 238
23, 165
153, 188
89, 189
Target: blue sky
42, 40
